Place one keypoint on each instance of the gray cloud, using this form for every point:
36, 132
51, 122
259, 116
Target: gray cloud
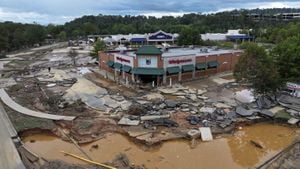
60, 11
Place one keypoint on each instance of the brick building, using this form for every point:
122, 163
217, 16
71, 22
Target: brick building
149, 64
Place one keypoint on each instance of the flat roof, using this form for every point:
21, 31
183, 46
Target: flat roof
176, 52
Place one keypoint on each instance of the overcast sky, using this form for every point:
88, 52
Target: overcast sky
61, 11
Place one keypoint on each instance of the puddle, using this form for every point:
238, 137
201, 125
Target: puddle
233, 152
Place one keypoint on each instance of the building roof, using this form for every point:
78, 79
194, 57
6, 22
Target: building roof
148, 50
177, 52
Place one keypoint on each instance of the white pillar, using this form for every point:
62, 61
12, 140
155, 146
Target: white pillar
115, 75
132, 78
127, 82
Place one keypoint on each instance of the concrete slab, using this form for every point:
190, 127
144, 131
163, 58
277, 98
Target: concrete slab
9, 156
128, 122
293, 121
15, 106
206, 134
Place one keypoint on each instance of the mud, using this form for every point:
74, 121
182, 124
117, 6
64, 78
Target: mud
234, 151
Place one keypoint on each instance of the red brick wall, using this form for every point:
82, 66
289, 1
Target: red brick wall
200, 59
225, 63
200, 74
160, 62
186, 76
103, 58
230, 58
173, 77
211, 58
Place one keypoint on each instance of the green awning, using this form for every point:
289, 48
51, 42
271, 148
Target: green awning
126, 68
201, 66
212, 64
188, 68
118, 66
110, 63
148, 71
173, 70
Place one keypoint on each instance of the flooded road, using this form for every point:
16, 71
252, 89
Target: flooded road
233, 152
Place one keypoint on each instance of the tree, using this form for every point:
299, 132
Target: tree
62, 35
98, 46
189, 36
90, 28
258, 69
287, 59
35, 34
73, 54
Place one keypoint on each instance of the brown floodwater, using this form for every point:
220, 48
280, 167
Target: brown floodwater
232, 152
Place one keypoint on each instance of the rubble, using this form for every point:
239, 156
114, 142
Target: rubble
146, 118
293, 121
282, 115
193, 133
221, 105
171, 103
149, 124
243, 112
264, 102
130, 121
267, 113
193, 120
244, 96
206, 134
207, 110
289, 102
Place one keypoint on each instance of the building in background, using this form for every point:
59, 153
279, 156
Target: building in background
231, 35
149, 64
137, 40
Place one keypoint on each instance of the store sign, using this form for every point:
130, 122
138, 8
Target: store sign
179, 61
122, 59
160, 35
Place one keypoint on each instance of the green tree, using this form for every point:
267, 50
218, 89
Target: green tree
98, 46
35, 34
62, 35
90, 28
3, 40
287, 58
189, 36
258, 69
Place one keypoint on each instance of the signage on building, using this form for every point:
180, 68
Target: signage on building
122, 59
160, 36
179, 61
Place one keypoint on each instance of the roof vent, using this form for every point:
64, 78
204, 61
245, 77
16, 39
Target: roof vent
203, 50
165, 49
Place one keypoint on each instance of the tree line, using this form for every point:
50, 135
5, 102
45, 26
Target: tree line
15, 36
269, 70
